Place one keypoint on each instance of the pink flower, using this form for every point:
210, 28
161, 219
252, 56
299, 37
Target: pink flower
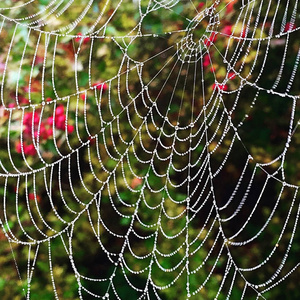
59, 110
18, 147
50, 121
39, 60
30, 88
135, 182
227, 30
36, 119
29, 150
49, 132
27, 120
70, 128
82, 96
200, 5
2, 66
60, 122
206, 61
43, 134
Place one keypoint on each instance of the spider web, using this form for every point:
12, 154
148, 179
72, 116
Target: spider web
159, 163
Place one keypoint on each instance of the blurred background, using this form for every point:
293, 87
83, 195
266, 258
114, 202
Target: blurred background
154, 129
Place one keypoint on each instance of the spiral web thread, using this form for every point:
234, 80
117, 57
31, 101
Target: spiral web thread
160, 154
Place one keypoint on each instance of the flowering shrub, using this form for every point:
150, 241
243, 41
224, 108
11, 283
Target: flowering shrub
69, 117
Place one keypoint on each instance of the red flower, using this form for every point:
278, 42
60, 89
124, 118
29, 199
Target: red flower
222, 87
231, 75
289, 27
101, 85
200, 5
229, 7
23, 100
92, 140
86, 40
243, 33
79, 38
212, 39
32, 197
213, 69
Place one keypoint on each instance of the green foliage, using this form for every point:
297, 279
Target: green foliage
260, 134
